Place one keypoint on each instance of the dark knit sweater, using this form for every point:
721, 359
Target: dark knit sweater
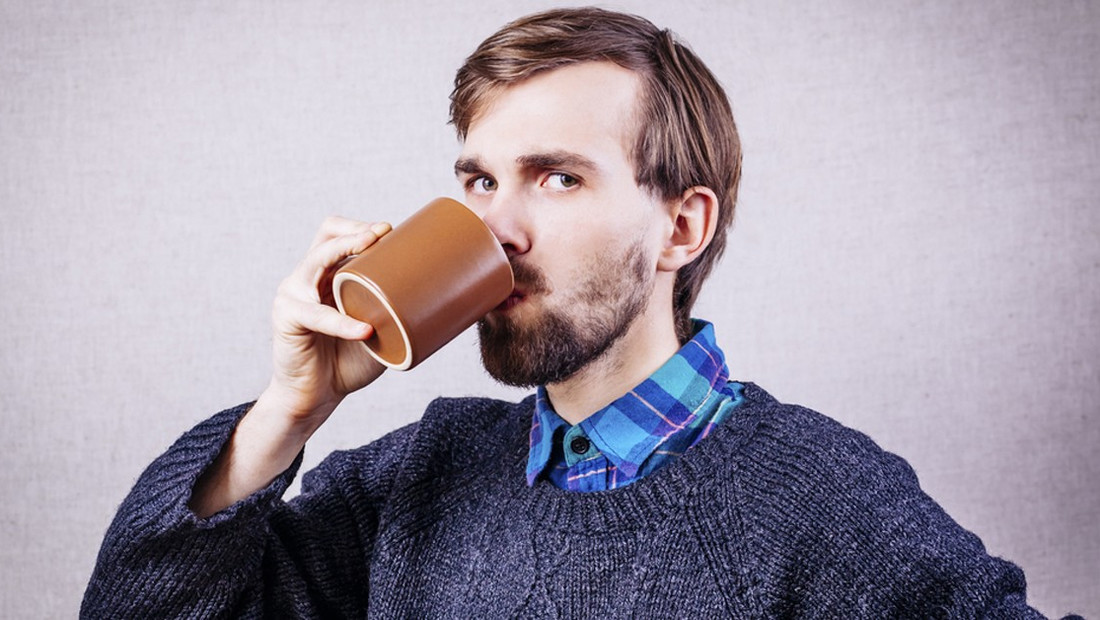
781, 512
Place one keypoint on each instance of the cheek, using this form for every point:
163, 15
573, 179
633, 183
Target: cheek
571, 244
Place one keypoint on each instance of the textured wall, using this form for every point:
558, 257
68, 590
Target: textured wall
916, 252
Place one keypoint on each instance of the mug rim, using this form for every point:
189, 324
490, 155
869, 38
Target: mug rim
372, 288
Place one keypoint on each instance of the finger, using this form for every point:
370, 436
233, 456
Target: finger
336, 226
297, 317
320, 260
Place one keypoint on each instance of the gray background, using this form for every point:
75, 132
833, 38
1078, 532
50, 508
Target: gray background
916, 251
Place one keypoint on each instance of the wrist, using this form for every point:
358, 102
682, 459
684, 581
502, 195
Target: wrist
283, 410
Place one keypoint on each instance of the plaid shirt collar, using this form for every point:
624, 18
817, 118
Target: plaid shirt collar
658, 412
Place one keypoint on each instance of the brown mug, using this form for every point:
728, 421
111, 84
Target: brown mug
424, 283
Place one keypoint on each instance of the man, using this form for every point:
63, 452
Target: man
637, 481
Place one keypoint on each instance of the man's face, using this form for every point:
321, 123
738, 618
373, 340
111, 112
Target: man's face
546, 165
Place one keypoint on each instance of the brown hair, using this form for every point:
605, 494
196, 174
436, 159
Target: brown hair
686, 136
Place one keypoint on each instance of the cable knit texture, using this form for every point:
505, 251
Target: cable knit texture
781, 512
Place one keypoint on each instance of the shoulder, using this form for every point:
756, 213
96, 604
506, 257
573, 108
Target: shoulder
476, 415
474, 427
811, 450
453, 434
804, 472
844, 511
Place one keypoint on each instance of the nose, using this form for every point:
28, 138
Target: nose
504, 215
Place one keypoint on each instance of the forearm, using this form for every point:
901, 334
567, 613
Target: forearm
264, 444
159, 559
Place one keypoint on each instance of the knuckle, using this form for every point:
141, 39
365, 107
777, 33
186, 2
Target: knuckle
319, 316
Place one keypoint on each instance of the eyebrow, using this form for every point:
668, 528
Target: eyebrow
550, 159
557, 159
469, 165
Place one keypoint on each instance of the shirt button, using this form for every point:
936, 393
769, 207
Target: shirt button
579, 445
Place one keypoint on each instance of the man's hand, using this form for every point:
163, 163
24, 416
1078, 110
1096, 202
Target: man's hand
318, 360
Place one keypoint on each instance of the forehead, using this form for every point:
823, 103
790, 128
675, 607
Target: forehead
586, 108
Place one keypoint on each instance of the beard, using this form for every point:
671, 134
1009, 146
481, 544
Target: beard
578, 330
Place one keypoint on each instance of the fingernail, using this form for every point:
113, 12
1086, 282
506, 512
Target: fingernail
380, 228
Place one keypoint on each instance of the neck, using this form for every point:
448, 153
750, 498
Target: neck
646, 346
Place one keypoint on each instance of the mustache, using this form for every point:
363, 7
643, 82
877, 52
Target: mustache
528, 277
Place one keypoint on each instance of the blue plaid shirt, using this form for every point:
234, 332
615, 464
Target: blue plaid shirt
652, 425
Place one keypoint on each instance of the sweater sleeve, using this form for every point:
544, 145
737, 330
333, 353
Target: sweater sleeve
257, 558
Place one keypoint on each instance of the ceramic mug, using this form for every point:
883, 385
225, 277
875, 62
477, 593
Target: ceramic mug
428, 280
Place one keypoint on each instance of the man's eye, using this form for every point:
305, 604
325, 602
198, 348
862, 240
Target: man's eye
561, 180
482, 185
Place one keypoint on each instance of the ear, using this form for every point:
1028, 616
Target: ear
693, 218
